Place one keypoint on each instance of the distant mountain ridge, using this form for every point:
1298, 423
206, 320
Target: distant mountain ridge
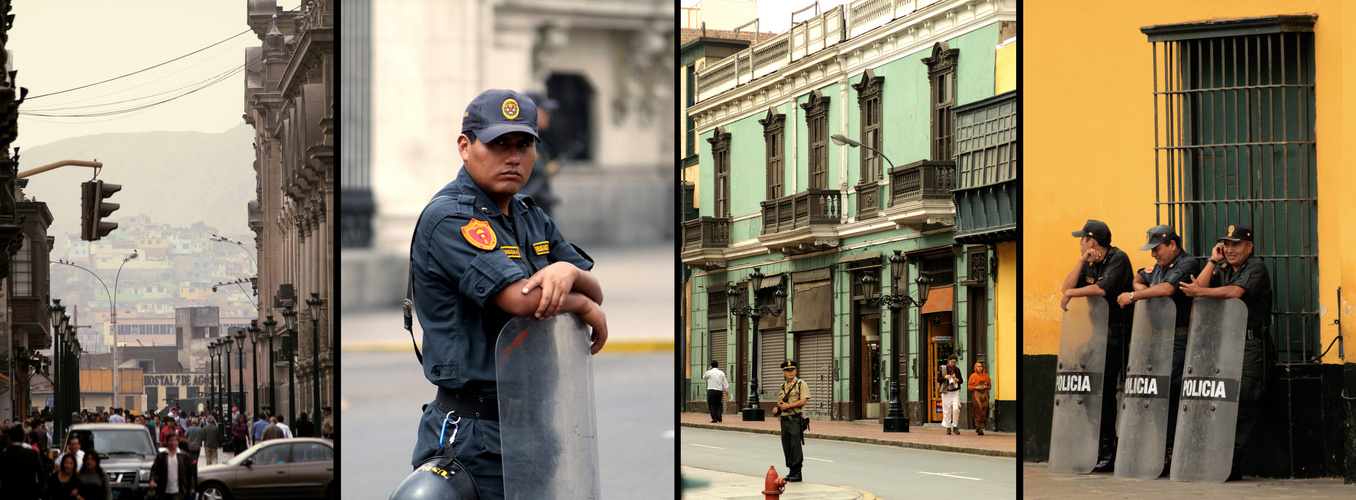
175, 178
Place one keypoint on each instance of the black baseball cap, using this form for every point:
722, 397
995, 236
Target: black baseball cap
1097, 230
496, 112
1236, 233
1157, 235
788, 364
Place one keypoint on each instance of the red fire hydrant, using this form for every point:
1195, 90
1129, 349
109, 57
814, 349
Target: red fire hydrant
774, 485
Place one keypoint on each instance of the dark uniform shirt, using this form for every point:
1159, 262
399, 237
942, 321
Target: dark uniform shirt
1112, 273
454, 280
1179, 271
1253, 277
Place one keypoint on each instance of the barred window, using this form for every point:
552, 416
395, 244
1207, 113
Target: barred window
1234, 144
869, 91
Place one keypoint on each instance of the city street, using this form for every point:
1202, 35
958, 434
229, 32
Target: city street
383, 393
883, 471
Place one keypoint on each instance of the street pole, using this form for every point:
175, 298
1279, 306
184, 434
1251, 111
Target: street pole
58, 379
314, 304
269, 323
230, 398
289, 348
212, 377
254, 366
240, 353
113, 319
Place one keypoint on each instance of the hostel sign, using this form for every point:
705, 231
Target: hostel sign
175, 379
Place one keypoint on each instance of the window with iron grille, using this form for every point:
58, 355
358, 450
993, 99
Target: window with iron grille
773, 125
868, 100
942, 78
1234, 144
720, 154
817, 121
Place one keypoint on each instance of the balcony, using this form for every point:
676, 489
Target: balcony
987, 214
705, 240
802, 222
920, 193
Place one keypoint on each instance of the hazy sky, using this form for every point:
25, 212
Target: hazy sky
774, 16
58, 45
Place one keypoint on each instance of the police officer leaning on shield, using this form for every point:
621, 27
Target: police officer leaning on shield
1231, 272
481, 255
1172, 268
1103, 271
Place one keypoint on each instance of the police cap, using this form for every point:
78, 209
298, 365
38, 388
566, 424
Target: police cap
496, 112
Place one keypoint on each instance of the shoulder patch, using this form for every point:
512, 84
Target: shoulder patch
479, 234
512, 252
542, 248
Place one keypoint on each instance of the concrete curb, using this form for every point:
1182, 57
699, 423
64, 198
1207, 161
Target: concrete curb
865, 440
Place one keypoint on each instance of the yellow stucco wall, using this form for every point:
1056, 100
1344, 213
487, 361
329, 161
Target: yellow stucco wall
1005, 68
1005, 321
1088, 126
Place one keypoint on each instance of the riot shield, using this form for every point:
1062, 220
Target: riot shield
1143, 421
1078, 387
1204, 446
546, 413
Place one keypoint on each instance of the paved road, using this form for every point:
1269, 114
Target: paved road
383, 393
884, 471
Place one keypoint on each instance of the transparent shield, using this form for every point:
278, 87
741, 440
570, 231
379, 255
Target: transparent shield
546, 410
1078, 387
1143, 424
1208, 414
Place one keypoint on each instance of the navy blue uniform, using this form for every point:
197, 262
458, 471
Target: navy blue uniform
1181, 270
1258, 353
454, 281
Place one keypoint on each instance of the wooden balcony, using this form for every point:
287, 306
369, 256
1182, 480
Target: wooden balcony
705, 240
802, 222
920, 193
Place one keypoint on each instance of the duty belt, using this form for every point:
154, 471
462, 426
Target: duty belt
461, 404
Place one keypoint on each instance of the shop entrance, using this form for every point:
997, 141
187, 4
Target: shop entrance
941, 344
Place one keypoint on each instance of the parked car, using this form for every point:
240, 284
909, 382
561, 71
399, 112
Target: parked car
277, 468
126, 452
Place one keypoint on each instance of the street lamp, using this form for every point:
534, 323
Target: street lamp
843, 140
240, 358
59, 379
289, 348
268, 325
313, 304
212, 376
226, 343
254, 366
739, 304
895, 421
113, 319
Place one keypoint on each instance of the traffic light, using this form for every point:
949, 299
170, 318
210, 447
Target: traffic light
93, 209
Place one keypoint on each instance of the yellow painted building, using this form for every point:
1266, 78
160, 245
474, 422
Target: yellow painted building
1171, 112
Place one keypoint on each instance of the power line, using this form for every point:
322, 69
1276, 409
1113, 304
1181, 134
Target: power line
251, 28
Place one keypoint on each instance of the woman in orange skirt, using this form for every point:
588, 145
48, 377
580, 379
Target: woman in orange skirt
979, 396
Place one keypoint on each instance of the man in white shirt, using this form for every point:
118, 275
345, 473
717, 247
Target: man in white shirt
116, 417
72, 446
716, 388
287, 431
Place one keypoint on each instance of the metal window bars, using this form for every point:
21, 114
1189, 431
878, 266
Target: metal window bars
1234, 144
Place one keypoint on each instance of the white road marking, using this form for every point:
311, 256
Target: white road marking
705, 446
950, 475
819, 459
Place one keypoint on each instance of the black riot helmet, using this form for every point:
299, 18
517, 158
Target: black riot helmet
439, 477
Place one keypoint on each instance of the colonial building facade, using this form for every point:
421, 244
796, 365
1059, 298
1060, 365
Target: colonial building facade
838, 235
290, 101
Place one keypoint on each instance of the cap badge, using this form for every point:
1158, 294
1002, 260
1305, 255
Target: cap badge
510, 109
479, 234
1231, 231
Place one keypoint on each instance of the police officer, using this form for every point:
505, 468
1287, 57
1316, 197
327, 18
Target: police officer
1231, 272
1172, 268
790, 407
481, 255
1103, 271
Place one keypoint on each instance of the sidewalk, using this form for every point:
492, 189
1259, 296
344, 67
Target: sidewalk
718, 485
928, 437
1038, 482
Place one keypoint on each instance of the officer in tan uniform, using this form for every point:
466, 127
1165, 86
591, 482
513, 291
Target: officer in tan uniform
790, 407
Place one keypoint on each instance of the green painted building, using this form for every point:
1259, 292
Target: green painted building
841, 234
